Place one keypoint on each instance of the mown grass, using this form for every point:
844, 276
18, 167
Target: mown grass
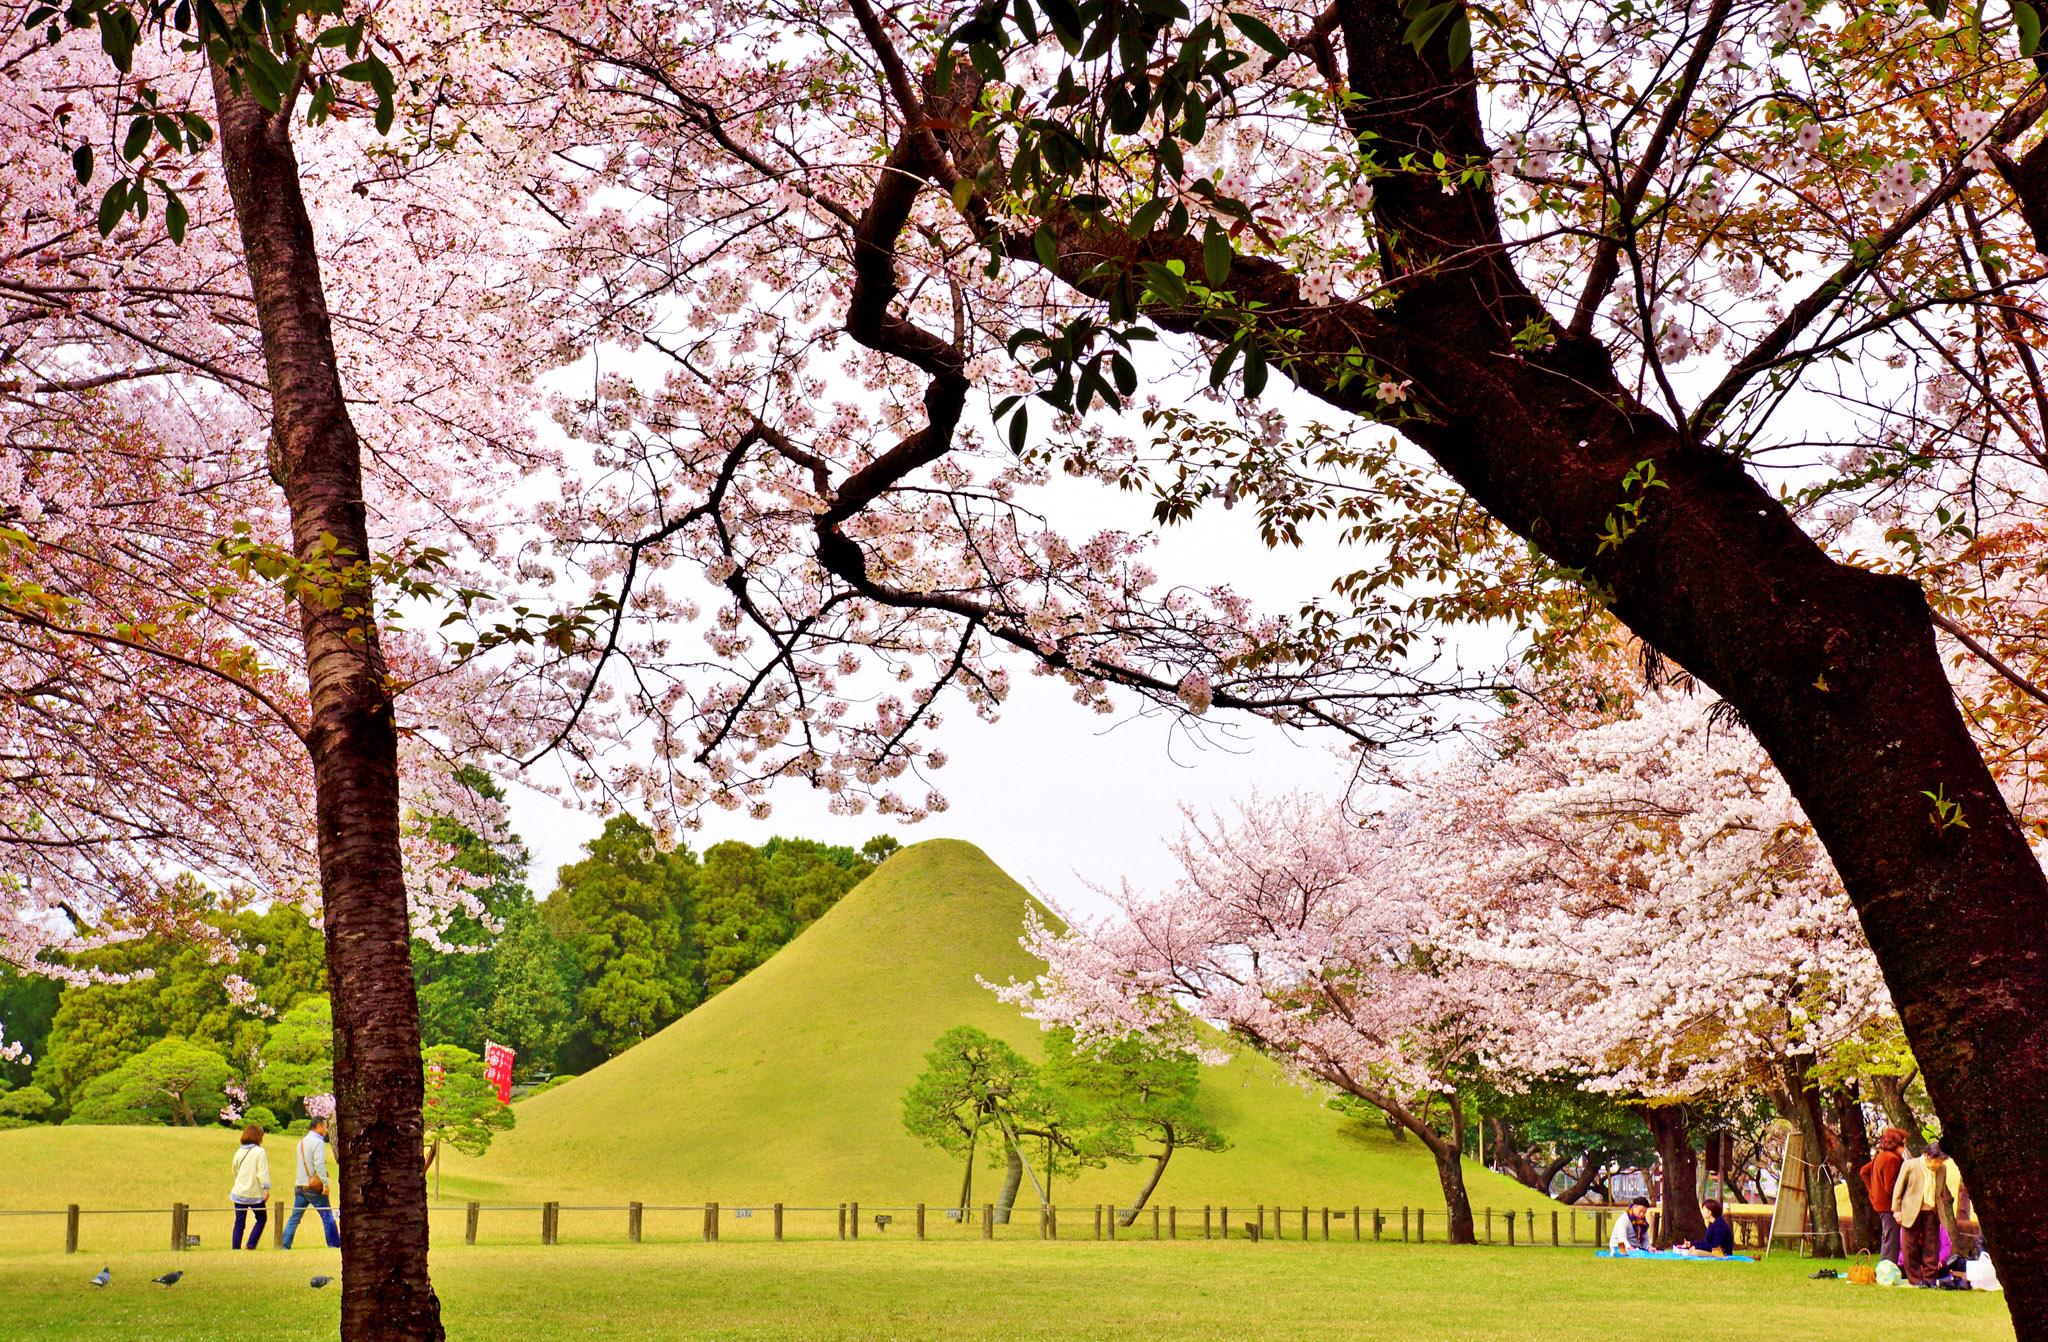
1018, 1292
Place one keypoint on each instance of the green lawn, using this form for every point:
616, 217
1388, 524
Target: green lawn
1012, 1291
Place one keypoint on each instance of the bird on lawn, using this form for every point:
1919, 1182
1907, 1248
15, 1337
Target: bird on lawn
168, 1279
318, 1282
103, 1276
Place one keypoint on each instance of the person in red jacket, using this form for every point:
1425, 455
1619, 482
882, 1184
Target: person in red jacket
1879, 1174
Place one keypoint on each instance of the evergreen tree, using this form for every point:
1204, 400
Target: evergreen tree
625, 913
1129, 1091
172, 1081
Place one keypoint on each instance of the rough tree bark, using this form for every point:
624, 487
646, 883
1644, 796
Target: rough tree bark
1891, 1097
1671, 1127
1582, 1183
1854, 1147
1800, 1103
315, 457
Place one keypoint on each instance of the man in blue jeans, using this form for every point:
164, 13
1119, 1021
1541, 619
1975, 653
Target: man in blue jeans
309, 1188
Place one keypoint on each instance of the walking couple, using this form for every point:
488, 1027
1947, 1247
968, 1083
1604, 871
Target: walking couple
251, 1196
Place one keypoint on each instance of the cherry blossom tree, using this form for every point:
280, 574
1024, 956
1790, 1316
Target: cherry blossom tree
1677, 934
208, 654
1302, 933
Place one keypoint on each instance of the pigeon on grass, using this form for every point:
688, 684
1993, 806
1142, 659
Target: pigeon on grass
168, 1279
103, 1276
318, 1282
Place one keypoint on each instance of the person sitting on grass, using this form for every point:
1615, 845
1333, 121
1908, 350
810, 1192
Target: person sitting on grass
1719, 1240
1631, 1230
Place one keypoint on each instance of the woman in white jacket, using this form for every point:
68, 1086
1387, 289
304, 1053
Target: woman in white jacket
251, 1166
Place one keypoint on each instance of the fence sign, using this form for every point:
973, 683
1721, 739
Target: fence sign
742, 1211
498, 1069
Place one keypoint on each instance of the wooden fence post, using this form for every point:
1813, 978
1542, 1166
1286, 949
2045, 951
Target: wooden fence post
633, 1210
1326, 1224
1600, 1229
1205, 1220
178, 1213
1421, 1235
277, 1224
1173, 1222
853, 1219
1489, 1225
920, 1220
1109, 1220
71, 1228
1404, 1225
778, 1222
1052, 1218
1553, 1230
475, 1212
842, 1220
1532, 1225
1511, 1230
1225, 1218
988, 1220
1155, 1223
1261, 1220
1098, 1220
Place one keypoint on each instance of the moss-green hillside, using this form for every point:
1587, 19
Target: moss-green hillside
786, 1087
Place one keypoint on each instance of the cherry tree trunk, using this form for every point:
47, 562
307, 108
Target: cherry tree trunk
315, 457
1898, 1111
1865, 1232
1802, 1106
1671, 1128
1450, 1173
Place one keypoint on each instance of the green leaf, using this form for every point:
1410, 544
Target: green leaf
137, 139
118, 31
175, 217
1020, 424
81, 163
112, 206
2028, 19
1216, 256
1254, 371
1938, 8
1146, 216
1259, 33
1042, 244
1459, 46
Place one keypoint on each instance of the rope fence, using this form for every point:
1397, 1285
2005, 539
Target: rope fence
182, 1226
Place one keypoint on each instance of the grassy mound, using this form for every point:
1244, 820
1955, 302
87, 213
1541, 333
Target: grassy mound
787, 1086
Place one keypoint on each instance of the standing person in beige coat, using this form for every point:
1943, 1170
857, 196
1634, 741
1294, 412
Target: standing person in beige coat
1916, 1202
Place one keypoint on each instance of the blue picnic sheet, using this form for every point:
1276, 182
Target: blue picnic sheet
1668, 1255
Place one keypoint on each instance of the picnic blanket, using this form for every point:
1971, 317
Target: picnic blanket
1667, 1255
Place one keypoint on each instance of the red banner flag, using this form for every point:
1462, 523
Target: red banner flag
498, 1069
